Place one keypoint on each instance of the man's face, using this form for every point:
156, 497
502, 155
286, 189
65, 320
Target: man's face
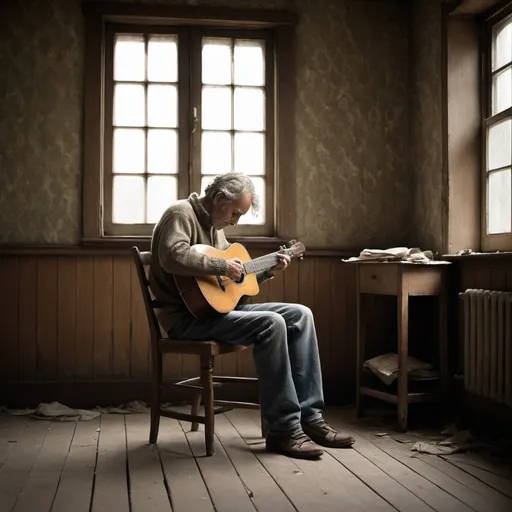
226, 214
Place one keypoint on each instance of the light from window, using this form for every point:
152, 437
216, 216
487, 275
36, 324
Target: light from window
502, 67
499, 133
145, 127
233, 113
499, 202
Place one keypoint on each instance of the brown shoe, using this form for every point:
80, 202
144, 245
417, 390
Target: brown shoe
293, 444
323, 434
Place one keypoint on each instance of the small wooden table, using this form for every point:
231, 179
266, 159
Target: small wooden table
402, 280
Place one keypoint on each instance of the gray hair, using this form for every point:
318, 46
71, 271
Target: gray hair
231, 186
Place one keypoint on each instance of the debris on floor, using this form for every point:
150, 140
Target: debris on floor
59, 412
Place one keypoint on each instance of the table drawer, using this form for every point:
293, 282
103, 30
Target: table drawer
378, 278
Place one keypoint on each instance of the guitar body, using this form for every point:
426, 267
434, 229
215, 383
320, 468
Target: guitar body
204, 297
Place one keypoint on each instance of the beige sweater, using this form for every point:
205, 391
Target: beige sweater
184, 224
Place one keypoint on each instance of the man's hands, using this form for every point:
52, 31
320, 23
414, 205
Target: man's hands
235, 269
283, 264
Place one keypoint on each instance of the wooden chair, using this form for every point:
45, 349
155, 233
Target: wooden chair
202, 386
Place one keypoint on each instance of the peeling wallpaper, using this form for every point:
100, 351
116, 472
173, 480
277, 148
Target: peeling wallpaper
353, 113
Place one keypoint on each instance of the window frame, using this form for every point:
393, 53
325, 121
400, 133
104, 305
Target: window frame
98, 17
495, 241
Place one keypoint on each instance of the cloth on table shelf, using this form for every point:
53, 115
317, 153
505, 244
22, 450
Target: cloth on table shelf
385, 367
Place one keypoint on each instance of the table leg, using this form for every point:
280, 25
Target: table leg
403, 345
361, 352
443, 343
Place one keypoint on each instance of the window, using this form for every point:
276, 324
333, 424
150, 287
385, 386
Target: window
497, 222
172, 102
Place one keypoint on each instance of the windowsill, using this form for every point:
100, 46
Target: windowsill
143, 242
477, 256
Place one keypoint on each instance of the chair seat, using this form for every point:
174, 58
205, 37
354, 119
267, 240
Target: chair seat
198, 347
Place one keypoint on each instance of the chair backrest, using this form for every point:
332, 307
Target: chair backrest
142, 260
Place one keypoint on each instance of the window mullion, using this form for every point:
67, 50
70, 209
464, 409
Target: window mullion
108, 135
195, 110
146, 130
184, 113
496, 118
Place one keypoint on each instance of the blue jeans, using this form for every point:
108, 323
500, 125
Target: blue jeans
285, 354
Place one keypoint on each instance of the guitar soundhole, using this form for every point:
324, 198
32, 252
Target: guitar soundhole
241, 280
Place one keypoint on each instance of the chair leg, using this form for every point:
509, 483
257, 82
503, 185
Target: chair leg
207, 383
156, 392
196, 402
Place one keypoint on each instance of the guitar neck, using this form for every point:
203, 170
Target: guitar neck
261, 263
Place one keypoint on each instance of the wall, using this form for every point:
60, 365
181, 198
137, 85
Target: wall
352, 118
41, 122
74, 329
464, 134
429, 208
71, 326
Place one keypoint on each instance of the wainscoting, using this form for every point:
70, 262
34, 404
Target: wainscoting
73, 327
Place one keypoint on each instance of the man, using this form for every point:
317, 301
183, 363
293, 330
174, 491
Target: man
285, 344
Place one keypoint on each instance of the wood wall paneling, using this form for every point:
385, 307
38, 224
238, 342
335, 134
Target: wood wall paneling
70, 319
84, 337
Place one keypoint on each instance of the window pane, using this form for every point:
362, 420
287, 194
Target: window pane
163, 151
249, 217
205, 181
161, 193
129, 151
499, 147
163, 105
216, 108
499, 202
249, 62
129, 58
502, 47
128, 200
250, 153
163, 59
502, 91
216, 152
249, 109
129, 105
216, 61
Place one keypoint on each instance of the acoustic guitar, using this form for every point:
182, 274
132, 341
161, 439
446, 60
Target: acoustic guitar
210, 296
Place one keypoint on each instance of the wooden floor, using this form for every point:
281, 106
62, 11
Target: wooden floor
107, 465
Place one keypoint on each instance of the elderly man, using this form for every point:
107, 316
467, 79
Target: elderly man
284, 337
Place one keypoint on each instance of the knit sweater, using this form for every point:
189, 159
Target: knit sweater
183, 224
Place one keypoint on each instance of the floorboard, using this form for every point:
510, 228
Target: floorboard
183, 478
147, 483
77, 479
16, 469
110, 492
107, 465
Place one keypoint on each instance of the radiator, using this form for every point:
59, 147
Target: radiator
488, 344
